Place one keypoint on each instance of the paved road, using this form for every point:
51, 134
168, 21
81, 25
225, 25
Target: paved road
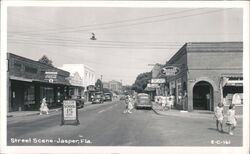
107, 125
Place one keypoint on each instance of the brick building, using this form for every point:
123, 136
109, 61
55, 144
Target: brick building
29, 81
207, 73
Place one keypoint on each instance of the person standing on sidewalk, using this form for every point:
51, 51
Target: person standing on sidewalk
44, 107
218, 114
231, 119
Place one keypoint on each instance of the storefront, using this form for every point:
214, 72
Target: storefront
30, 81
76, 89
209, 73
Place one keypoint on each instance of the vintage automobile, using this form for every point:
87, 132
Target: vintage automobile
108, 96
79, 101
143, 101
98, 97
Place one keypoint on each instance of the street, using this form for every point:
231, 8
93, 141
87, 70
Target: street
106, 125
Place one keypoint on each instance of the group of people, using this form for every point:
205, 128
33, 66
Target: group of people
231, 121
166, 102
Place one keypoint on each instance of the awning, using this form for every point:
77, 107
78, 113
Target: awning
234, 83
20, 79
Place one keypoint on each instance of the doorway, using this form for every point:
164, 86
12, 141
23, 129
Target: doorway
203, 96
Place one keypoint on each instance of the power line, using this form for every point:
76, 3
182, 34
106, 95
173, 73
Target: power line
132, 44
89, 46
108, 23
149, 22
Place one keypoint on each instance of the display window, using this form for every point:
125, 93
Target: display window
48, 93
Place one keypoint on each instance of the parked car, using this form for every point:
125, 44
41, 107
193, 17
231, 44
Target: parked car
143, 101
80, 101
98, 98
108, 96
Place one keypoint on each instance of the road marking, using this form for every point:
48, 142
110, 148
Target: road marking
105, 109
101, 111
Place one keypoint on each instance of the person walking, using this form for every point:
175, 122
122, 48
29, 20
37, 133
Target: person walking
44, 107
219, 115
126, 104
231, 119
130, 104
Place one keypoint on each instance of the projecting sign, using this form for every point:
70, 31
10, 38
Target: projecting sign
69, 113
50, 75
170, 70
150, 85
162, 80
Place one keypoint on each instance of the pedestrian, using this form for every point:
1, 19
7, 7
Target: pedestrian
44, 107
219, 115
130, 104
231, 119
126, 104
236, 99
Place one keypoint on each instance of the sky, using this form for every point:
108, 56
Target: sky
129, 40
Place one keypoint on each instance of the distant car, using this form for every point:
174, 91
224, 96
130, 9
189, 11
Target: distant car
98, 98
143, 101
108, 96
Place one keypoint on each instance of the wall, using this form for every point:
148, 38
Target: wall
209, 62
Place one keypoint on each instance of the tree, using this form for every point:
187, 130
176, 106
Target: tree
45, 60
99, 85
141, 82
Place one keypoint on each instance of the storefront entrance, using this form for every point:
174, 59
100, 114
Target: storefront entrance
203, 96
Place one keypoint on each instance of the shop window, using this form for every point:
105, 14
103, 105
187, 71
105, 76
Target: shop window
29, 96
48, 93
229, 92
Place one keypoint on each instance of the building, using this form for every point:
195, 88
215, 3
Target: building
205, 73
76, 86
86, 73
30, 81
114, 86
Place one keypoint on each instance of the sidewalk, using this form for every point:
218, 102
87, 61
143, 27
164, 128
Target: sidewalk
157, 108
31, 113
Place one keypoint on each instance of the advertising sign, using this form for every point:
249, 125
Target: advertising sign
170, 70
161, 80
150, 85
69, 112
50, 76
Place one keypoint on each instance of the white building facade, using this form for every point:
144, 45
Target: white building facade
86, 73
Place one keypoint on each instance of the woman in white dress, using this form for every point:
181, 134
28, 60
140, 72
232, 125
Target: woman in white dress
44, 107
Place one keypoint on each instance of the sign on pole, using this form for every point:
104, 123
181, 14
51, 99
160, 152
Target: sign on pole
69, 113
157, 81
170, 71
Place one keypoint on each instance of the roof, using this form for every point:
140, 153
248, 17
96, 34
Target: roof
215, 46
37, 62
207, 47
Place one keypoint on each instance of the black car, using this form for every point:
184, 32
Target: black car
98, 98
108, 96
79, 102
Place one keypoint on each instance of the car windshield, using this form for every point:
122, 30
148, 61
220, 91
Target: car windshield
143, 96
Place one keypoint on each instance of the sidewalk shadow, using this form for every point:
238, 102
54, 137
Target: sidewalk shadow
214, 129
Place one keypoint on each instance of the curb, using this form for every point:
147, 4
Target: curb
32, 114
